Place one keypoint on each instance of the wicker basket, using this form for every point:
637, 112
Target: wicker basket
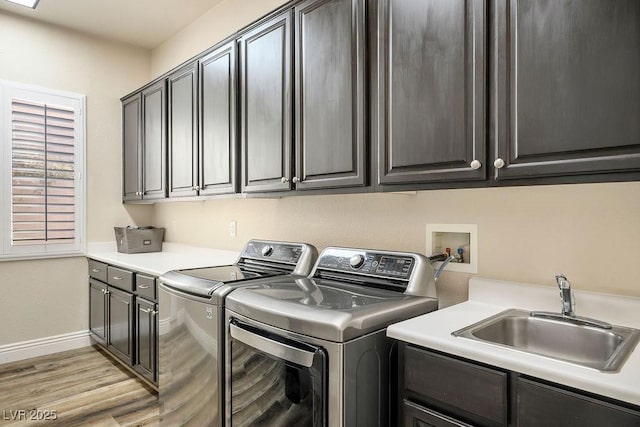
137, 240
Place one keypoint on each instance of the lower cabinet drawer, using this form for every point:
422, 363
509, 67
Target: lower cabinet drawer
455, 386
416, 416
120, 278
545, 405
98, 270
146, 287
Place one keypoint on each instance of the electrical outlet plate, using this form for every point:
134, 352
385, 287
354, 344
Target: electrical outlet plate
233, 229
440, 236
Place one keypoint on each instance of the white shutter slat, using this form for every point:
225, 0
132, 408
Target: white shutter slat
43, 173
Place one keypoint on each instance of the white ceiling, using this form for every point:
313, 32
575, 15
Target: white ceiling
144, 23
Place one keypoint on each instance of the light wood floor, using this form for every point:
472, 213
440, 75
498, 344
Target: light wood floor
84, 387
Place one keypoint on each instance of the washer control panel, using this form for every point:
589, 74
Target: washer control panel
372, 263
272, 251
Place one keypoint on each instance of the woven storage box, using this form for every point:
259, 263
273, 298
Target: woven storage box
136, 240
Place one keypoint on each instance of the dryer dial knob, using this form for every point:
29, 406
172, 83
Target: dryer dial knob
267, 250
356, 261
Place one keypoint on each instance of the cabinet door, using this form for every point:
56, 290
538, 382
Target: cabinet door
265, 85
428, 91
474, 393
98, 310
131, 148
154, 183
330, 94
218, 121
566, 90
544, 405
146, 338
418, 416
120, 324
183, 138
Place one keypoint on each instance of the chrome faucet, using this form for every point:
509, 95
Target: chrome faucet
567, 314
565, 295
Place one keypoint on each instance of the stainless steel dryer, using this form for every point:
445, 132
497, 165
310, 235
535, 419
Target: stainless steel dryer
191, 327
313, 351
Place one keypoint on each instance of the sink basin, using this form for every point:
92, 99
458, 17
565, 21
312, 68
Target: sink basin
562, 339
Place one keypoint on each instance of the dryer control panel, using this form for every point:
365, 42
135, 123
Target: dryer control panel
394, 265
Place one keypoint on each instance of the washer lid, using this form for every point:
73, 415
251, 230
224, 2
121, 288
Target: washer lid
259, 259
203, 282
325, 309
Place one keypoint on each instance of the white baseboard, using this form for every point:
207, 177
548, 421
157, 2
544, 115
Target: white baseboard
43, 346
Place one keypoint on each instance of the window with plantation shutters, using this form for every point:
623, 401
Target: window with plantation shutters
43, 153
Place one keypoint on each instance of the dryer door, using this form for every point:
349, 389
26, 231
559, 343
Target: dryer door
275, 380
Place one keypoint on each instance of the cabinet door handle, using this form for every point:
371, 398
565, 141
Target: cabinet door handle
145, 310
476, 164
295, 179
284, 180
197, 188
95, 270
107, 292
143, 286
117, 278
499, 163
154, 312
104, 291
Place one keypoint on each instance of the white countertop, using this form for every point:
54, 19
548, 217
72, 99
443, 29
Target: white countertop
489, 297
174, 256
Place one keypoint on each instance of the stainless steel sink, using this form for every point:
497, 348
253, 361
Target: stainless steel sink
562, 339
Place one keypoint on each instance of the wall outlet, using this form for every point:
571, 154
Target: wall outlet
233, 229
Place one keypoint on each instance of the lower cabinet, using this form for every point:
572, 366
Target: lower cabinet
459, 389
418, 416
542, 404
441, 390
98, 310
146, 318
119, 326
123, 317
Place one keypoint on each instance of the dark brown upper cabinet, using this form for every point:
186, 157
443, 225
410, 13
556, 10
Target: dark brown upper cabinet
132, 148
217, 153
183, 131
565, 87
428, 91
336, 95
154, 143
330, 103
266, 110
144, 149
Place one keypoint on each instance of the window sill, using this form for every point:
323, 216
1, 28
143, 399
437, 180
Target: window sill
31, 257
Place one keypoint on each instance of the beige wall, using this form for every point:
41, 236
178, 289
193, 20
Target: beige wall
217, 24
590, 232
43, 298
39, 299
